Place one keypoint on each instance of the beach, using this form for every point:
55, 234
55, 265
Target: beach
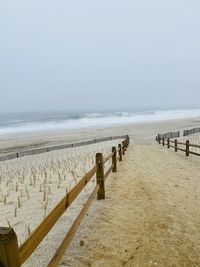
144, 132
150, 216
151, 212
100, 134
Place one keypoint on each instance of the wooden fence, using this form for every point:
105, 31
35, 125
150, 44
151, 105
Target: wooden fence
182, 146
168, 135
36, 151
177, 134
191, 131
13, 256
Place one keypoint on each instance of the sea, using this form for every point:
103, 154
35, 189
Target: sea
41, 122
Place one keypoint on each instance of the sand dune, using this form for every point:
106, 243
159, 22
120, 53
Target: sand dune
30, 187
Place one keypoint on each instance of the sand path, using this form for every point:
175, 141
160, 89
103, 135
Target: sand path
150, 217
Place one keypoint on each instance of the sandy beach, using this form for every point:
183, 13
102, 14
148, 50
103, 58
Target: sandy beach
150, 216
151, 212
86, 89
139, 133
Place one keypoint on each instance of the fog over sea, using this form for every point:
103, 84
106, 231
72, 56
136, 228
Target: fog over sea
39, 122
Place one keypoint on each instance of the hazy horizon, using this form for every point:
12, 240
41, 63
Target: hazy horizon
103, 110
90, 56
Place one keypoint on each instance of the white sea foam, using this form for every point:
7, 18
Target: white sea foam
90, 120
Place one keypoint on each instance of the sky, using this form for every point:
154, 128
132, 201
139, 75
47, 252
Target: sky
95, 55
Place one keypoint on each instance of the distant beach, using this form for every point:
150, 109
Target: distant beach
13, 124
33, 130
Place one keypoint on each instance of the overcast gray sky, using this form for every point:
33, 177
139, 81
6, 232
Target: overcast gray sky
99, 54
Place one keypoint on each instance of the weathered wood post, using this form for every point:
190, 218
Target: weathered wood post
9, 254
100, 176
175, 145
159, 139
120, 152
163, 141
187, 152
114, 159
123, 148
128, 140
125, 144
168, 145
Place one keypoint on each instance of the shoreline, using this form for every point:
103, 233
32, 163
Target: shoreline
139, 133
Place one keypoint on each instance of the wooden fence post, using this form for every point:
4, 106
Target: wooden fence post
124, 145
114, 159
128, 140
163, 141
100, 176
9, 254
175, 145
187, 153
123, 149
120, 152
168, 143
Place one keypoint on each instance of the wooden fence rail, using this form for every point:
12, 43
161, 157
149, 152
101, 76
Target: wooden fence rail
13, 256
176, 145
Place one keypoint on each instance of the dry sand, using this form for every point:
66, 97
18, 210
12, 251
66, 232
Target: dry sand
30, 187
151, 213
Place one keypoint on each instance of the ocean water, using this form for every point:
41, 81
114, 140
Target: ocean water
21, 123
